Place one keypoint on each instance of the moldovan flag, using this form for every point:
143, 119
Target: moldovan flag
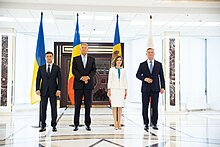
117, 45
75, 52
38, 61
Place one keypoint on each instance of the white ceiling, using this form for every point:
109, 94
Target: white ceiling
97, 18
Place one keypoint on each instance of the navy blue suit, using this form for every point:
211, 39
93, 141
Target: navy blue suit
81, 89
151, 89
48, 84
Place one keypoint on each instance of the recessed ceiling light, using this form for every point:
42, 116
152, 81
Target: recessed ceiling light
138, 23
96, 39
84, 32
211, 24
85, 17
7, 19
25, 19
103, 17
98, 32
175, 23
158, 23
193, 23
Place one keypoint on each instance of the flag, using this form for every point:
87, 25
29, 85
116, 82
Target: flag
38, 61
75, 52
150, 43
117, 45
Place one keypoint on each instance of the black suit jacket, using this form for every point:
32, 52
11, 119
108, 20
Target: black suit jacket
51, 82
157, 76
78, 71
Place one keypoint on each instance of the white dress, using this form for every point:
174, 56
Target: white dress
117, 86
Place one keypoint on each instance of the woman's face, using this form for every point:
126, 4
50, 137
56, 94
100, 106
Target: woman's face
118, 62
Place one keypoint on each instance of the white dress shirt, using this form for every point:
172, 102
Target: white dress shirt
148, 62
84, 57
47, 64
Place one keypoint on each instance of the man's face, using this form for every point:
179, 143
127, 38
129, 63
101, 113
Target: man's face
150, 54
49, 58
84, 49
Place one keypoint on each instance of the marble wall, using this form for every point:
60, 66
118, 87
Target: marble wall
172, 70
4, 70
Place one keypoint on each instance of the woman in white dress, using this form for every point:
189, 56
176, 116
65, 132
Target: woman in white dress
117, 90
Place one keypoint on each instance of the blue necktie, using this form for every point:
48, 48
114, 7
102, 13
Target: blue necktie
151, 67
84, 61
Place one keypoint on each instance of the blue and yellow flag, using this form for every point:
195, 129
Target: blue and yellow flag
75, 52
117, 44
38, 61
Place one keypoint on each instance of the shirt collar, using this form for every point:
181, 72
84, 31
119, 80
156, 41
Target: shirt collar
84, 56
51, 64
148, 61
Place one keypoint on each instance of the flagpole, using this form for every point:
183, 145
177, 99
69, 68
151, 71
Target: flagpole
40, 103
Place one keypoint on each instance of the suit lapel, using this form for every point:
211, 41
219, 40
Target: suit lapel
52, 69
81, 62
148, 69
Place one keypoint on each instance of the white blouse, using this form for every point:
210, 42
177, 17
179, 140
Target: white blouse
114, 81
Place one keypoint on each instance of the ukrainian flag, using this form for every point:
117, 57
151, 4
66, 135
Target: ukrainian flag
75, 52
117, 45
39, 60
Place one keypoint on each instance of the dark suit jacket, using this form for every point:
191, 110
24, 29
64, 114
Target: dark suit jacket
157, 76
51, 82
78, 71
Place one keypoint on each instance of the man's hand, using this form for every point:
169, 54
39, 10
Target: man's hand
109, 93
126, 93
162, 90
85, 78
148, 80
58, 93
38, 92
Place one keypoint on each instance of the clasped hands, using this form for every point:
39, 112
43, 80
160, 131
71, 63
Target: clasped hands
148, 80
85, 79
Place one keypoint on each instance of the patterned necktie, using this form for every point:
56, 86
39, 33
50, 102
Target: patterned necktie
151, 67
48, 69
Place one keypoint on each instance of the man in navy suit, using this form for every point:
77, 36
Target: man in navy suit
84, 70
150, 72
48, 85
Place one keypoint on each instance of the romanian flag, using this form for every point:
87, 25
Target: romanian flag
38, 61
75, 52
117, 45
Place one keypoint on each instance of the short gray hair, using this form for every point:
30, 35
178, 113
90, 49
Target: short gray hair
84, 43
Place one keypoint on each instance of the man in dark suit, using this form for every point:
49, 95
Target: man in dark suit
48, 85
151, 74
83, 69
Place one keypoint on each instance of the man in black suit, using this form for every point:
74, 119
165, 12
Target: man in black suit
83, 69
48, 85
151, 74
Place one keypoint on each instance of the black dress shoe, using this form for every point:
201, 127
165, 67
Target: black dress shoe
54, 129
88, 128
146, 128
76, 128
42, 129
155, 127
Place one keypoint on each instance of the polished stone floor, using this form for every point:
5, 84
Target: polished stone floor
185, 129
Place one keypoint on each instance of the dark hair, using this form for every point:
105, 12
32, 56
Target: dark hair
116, 58
49, 52
150, 49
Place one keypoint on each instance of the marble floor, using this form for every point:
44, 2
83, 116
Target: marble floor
185, 129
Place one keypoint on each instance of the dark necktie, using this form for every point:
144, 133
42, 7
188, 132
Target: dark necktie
48, 69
